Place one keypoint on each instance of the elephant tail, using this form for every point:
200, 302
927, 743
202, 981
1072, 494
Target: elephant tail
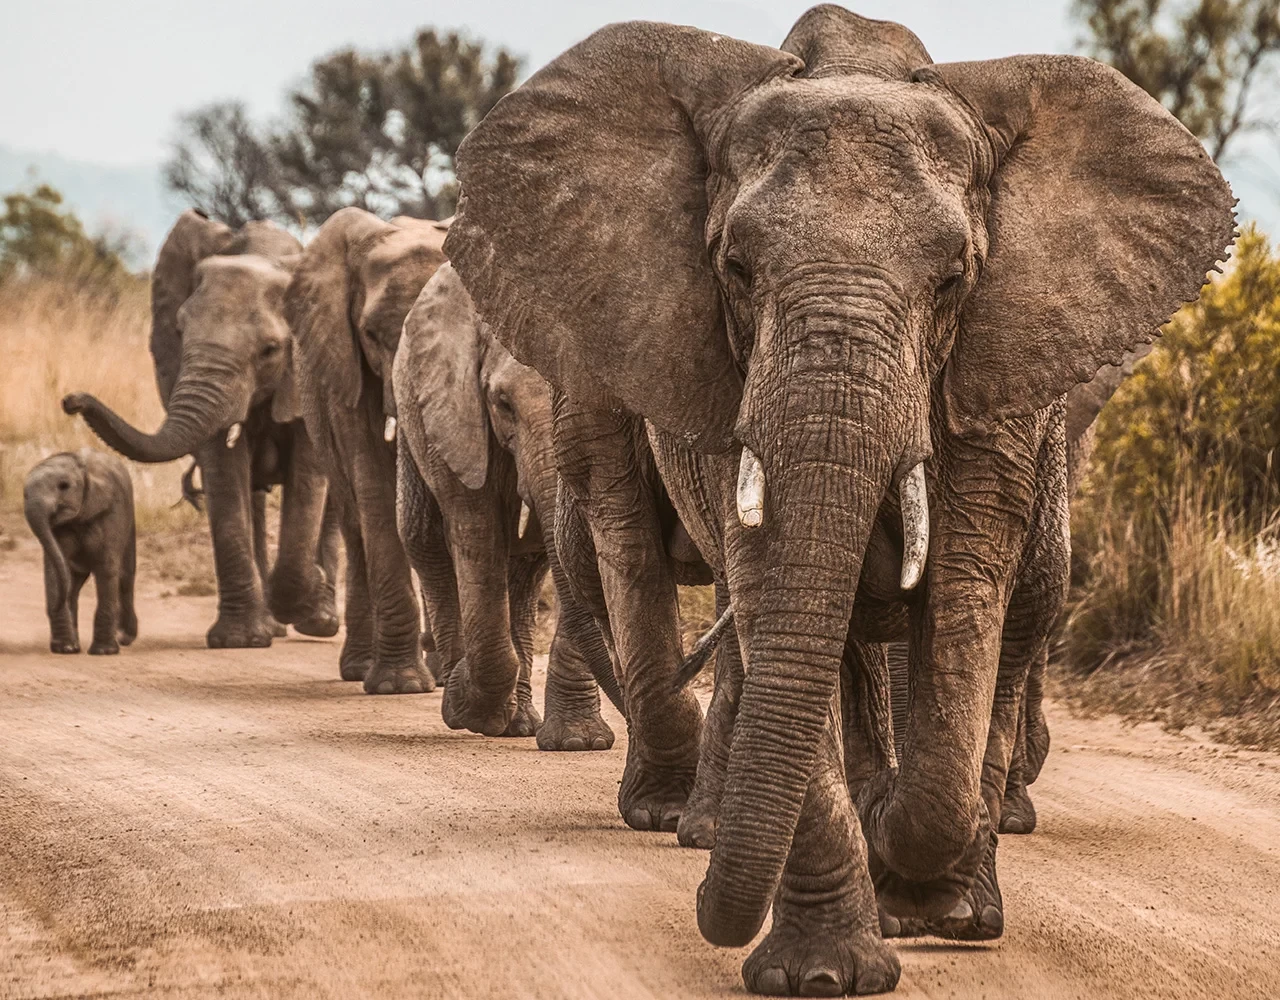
702, 650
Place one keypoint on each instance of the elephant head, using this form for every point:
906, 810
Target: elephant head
349, 298
468, 393
65, 488
218, 337
817, 255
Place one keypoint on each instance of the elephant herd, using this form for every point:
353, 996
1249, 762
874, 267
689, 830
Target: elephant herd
818, 324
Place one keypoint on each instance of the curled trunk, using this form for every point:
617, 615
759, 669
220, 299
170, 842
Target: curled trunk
40, 519
207, 397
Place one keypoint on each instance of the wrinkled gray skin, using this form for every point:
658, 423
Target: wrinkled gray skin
1083, 404
80, 507
475, 444
222, 355
346, 304
850, 262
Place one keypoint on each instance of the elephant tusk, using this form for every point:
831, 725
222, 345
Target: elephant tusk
524, 520
389, 431
913, 498
750, 490
233, 435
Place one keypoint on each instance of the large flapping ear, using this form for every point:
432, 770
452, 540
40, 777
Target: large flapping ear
392, 272
437, 376
1105, 216
192, 238
101, 482
1086, 400
832, 41
580, 232
321, 309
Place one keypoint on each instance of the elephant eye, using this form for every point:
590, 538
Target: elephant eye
737, 268
270, 349
64, 485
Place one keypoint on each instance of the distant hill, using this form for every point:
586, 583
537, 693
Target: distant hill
105, 197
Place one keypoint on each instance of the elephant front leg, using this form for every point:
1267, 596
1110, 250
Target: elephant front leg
1018, 813
262, 558
572, 706
825, 939
301, 590
64, 626
106, 617
242, 611
524, 587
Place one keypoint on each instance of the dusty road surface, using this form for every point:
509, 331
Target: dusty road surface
177, 822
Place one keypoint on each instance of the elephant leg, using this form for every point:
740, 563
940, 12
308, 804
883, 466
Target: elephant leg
106, 617
242, 609
1036, 743
572, 705
480, 694
64, 622
1018, 812
421, 527
262, 559
301, 594
327, 551
128, 576
357, 656
606, 466
825, 939
697, 827
525, 576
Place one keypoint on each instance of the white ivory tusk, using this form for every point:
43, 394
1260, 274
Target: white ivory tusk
233, 435
750, 490
913, 498
389, 431
524, 520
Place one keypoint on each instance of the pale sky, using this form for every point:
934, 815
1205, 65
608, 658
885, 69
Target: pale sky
103, 80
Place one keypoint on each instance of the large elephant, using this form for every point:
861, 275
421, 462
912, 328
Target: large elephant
477, 485
848, 289
346, 304
225, 373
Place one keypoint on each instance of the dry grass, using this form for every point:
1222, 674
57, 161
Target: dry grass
59, 339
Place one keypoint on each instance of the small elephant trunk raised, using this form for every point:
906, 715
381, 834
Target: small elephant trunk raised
820, 505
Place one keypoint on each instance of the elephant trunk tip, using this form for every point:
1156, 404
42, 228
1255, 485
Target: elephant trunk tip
721, 932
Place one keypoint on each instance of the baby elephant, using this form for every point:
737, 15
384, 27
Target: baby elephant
80, 506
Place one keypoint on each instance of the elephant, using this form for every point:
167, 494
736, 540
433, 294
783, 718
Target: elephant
225, 374
80, 506
476, 501
846, 289
346, 304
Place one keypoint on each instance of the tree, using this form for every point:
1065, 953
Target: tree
378, 131
1202, 59
381, 131
224, 167
39, 239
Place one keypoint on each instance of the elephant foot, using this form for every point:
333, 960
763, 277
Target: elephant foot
64, 645
239, 633
652, 797
128, 629
435, 664
1037, 746
105, 647
404, 678
278, 631
697, 826
466, 707
525, 722
977, 916
586, 731
803, 956
1018, 814
321, 625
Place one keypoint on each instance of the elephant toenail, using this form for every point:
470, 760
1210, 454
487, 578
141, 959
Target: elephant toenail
962, 911
821, 983
574, 743
773, 983
641, 820
872, 982
890, 926
992, 919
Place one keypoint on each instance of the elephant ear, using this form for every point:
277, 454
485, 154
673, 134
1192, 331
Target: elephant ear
1105, 215
193, 238
835, 42
580, 232
100, 484
285, 407
437, 380
320, 307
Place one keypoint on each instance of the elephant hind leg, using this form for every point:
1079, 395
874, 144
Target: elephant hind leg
525, 576
128, 613
261, 559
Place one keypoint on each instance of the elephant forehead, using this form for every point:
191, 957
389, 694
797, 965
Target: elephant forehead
239, 286
867, 120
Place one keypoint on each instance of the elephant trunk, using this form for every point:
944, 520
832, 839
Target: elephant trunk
209, 395
825, 477
39, 516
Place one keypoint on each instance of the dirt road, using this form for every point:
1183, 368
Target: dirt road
177, 822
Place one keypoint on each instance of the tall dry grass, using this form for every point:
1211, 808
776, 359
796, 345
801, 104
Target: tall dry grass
57, 338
